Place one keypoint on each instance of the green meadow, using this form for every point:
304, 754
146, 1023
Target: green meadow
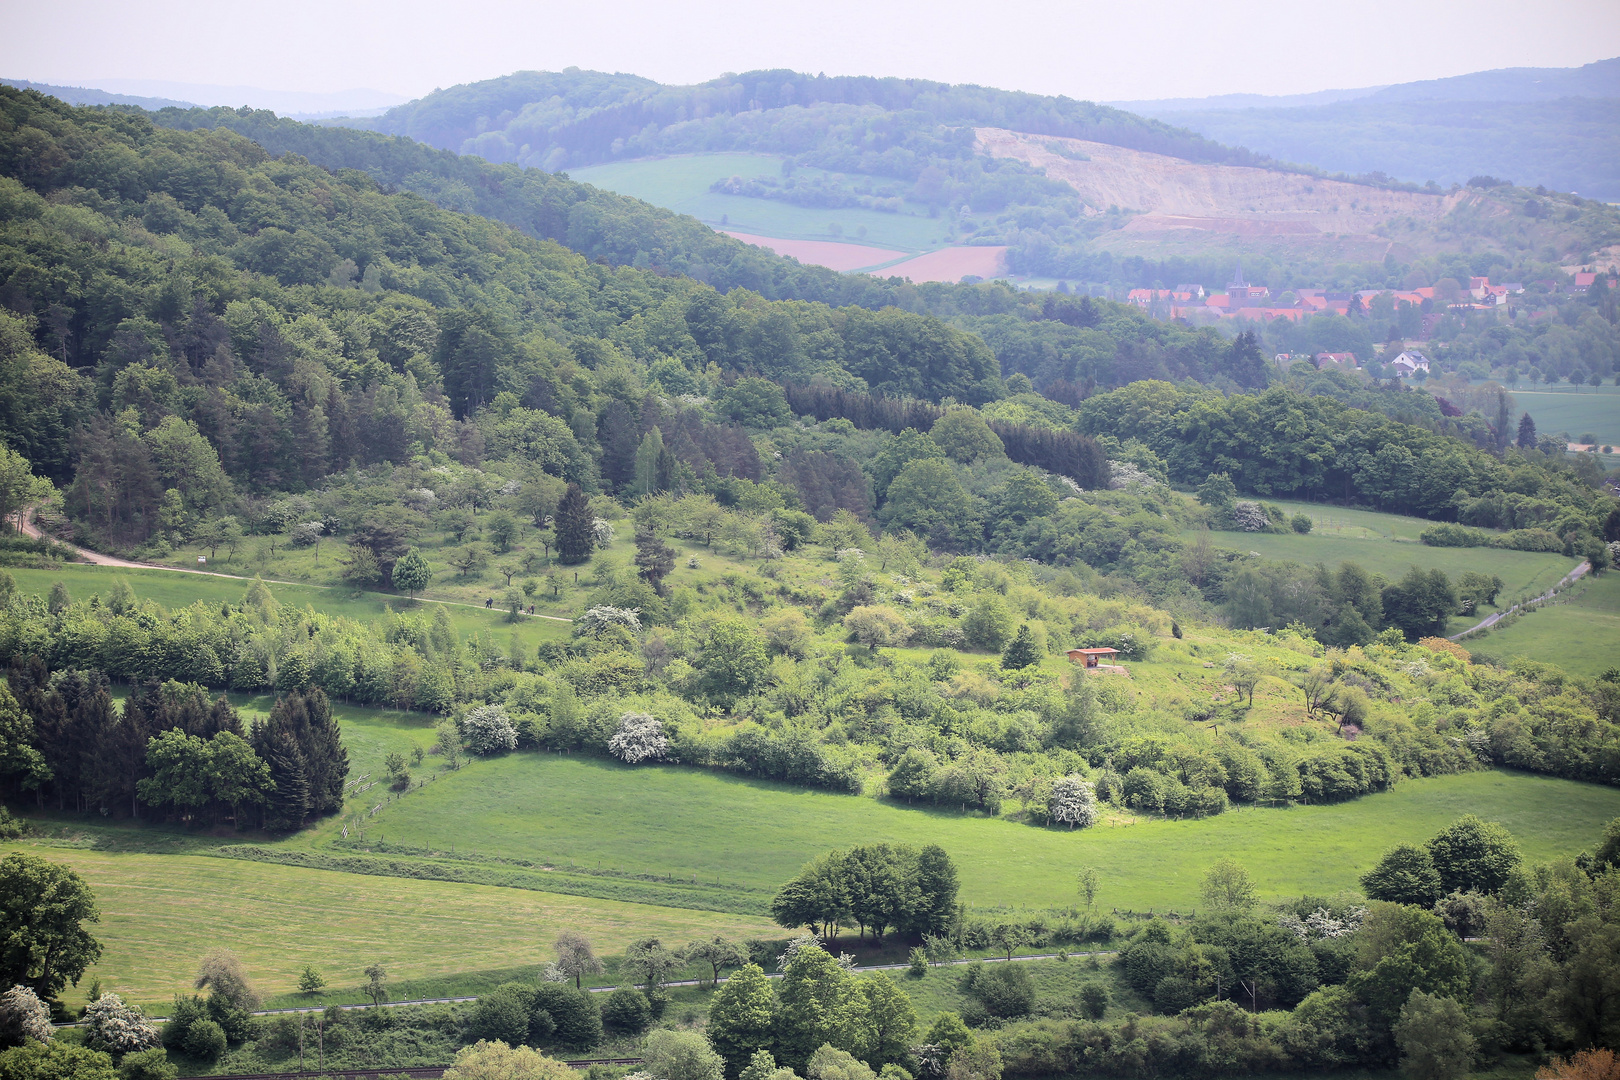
1388, 544
681, 183
1582, 410
161, 913
680, 821
1579, 631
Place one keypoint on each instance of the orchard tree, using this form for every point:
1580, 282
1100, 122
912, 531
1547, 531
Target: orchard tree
1072, 802
376, 987
43, 943
717, 952
575, 957
1227, 887
651, 962
412, 573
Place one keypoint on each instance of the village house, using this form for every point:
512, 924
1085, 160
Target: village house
1409, 363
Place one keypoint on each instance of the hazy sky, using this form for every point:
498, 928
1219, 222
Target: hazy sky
1120, 49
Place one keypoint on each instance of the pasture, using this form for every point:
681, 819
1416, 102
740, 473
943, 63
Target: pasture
1576, 409
720, 827
1579, 631
161, 913
1388, 544
681, 183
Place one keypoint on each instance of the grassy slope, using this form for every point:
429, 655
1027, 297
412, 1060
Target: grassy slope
1388, 544
718, 826
681, 183
1581, 633
1578, 632
179, 590
161, 913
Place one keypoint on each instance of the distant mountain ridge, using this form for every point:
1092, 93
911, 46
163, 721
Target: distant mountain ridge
83, 95
1595, 80
1554, 127
160, 93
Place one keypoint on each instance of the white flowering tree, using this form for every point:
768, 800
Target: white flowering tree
640, 738
1072, 802
488, 730
598, 620
1250, 517
117, 1028
23, 1016
601, 532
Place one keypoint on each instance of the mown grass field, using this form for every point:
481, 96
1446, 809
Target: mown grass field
717, 826
1580, 410
161, 913
1579, 632
681, 183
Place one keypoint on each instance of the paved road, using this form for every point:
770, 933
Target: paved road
1569, 579
96, 557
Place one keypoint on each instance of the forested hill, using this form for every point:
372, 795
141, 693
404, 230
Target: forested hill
193, 330
558, 120
1055, 340
598, 224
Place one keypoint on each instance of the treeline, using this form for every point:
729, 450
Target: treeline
1282, 443
167, 749
1067, 453
876, 887
546, 118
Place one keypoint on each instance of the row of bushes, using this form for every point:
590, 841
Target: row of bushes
1449, 535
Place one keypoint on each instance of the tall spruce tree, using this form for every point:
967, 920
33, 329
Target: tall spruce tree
575, 537
289, 800
1527, 433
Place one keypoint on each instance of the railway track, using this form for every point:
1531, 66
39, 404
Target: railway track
410, 1072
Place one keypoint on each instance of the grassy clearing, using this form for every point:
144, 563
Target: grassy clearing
1578, 631
715, 826
1057, 984
681, 183
1388, 544
161, 913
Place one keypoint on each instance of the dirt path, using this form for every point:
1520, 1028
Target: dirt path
98, 559
1568, 579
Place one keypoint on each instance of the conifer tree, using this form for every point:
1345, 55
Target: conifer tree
1022, 653
575, 537
1527, 433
